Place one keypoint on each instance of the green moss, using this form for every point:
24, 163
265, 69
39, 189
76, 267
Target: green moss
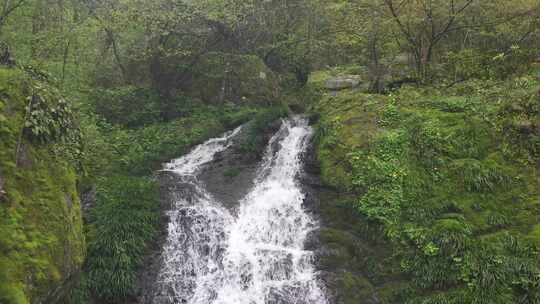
40, 218
449, 179
343, 246
534, 234
347, 123
355, 289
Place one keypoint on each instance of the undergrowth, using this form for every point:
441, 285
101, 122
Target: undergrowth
450, 177
41, 239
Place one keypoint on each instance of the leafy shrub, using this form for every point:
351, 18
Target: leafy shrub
383, 169
128, 106
444, 181
428, 143
49, 117
452, 236
498, 220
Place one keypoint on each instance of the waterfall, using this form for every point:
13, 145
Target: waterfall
254, 254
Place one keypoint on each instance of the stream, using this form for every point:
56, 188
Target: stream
250, 254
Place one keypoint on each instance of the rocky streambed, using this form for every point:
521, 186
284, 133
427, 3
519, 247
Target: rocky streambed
248, 225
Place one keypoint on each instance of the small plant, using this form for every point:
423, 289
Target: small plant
390, 115
453, 104
478, 176
498, 220
254, 138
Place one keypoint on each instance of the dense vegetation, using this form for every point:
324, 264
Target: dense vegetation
41, 239
436, 152
447, 178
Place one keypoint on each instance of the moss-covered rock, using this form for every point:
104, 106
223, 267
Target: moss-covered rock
355, 289
224, 77
440, 188
41, 239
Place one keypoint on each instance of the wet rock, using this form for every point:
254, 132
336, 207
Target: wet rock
230, 176
170, 188
313, 241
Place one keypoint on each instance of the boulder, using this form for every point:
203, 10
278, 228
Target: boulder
222, 78
342, 82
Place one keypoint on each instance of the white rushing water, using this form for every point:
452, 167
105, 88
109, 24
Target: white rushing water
254, 255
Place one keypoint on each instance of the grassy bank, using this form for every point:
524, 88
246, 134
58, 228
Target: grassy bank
444, 187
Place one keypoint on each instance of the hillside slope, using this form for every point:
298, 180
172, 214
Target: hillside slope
433, 194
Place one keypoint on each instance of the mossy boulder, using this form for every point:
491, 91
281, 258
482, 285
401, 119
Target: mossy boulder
233, 78
41, 237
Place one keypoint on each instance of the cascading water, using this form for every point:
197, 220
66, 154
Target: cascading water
253, 255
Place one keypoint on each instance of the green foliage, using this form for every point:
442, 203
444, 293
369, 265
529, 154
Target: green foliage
478, 176
381, 167
120, 227
128, 106
433, 169
41, 238
390, 115
255, 134
453, 104
50, 117
449, 181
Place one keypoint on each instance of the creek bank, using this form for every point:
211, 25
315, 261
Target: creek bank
430, 195
342, 250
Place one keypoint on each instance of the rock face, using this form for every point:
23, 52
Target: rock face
342, 82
